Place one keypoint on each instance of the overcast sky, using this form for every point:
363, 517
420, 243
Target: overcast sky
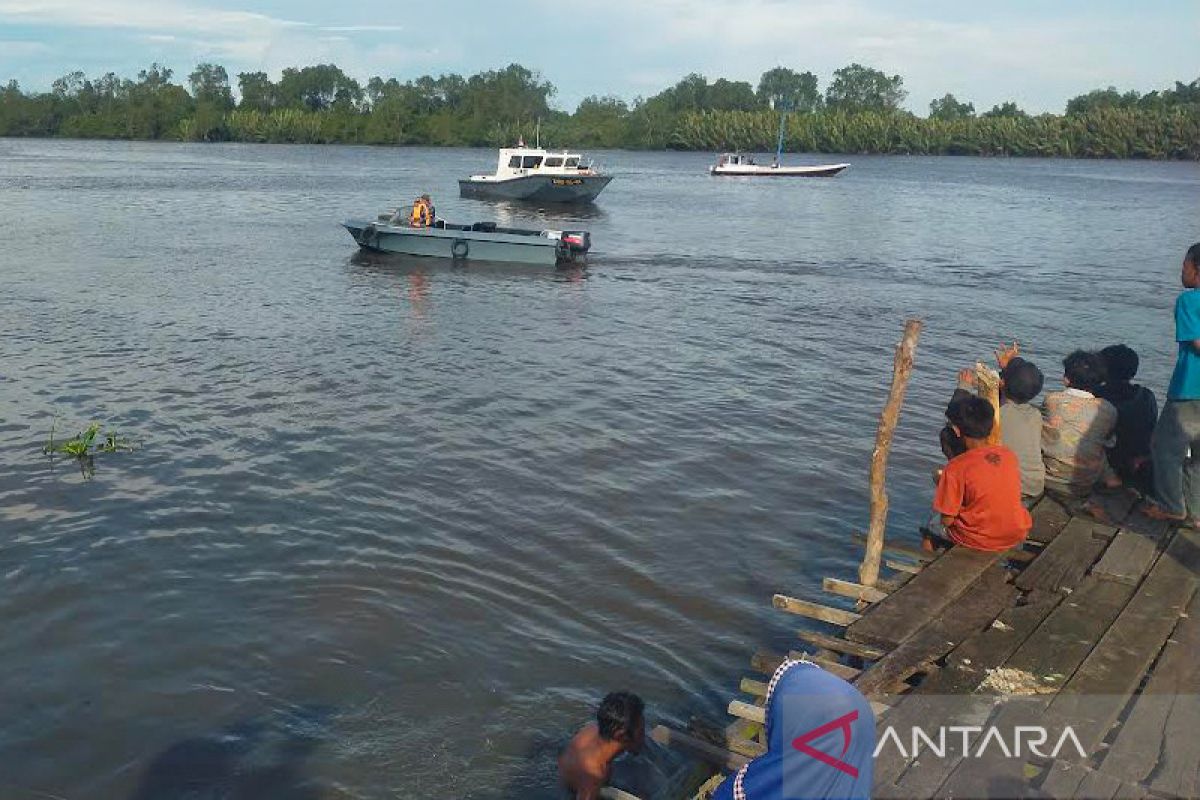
1036, 52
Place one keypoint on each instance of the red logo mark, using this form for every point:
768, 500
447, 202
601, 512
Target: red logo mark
801, 743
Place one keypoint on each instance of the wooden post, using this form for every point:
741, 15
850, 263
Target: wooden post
868, 573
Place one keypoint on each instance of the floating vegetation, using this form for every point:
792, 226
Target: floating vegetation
85, 446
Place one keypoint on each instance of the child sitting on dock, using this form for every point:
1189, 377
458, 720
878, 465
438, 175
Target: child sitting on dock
1137, 411
978, 495
620, 727
1020, 422
1077, 426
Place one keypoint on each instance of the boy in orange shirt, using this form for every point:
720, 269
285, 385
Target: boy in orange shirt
979, 492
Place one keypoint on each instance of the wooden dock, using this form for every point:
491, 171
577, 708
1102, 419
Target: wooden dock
1097, 622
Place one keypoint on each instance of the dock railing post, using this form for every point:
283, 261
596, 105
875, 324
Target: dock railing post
868, 573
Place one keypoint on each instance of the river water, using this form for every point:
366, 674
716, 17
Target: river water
392, 527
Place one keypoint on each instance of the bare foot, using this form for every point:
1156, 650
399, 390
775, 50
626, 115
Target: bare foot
1155, 511
1097, 512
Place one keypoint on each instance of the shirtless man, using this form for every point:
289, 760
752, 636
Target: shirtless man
620, 727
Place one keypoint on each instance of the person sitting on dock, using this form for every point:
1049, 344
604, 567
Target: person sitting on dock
1020, 423
978, 495
1077, 426
1137, 411
620, 727
820, 741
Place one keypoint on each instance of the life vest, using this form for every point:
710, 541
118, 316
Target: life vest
421, 218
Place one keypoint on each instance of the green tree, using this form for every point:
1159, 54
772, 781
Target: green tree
210, 86
317, 88
858, 88
258, 93
950, 108
786, 89
723, 95
1007, 110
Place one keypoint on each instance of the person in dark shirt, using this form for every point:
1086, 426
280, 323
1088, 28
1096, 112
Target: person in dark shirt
1137, 411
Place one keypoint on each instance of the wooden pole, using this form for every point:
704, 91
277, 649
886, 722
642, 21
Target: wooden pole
868, 573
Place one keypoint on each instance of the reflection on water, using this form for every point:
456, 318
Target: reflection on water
461, 502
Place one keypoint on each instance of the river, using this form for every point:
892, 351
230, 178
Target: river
392, 527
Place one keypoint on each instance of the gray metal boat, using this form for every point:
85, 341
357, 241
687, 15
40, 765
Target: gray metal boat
531, 173
483, 241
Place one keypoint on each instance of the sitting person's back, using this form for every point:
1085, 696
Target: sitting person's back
1137, 412
979, 492
1021, 423
1077, 426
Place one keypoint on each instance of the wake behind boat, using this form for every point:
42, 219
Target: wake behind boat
483, 241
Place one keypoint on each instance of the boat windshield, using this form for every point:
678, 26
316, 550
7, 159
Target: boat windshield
554, 162
531, 162
573, 161
514, 162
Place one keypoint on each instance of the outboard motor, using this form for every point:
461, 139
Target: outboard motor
576, 241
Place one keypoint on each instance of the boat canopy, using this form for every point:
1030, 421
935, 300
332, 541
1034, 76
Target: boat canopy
518, 161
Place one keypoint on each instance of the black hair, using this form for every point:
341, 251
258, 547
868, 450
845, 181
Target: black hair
619, 713
1085, 370
1022, 380
1193, 254
975, 418
1120, 362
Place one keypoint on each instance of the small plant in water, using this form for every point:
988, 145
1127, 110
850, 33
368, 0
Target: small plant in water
85, 446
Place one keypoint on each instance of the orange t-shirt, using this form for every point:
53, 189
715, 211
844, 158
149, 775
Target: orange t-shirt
981, 489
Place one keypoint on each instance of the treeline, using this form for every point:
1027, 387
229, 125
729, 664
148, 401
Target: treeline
860, 111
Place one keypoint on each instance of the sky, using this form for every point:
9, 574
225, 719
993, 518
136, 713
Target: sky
1038, 53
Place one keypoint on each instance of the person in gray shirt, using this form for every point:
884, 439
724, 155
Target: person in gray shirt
1020, 422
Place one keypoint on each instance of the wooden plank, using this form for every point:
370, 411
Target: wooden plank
905, 611
747, 711
968, 664
1092, 700
834, 616
915, 553
706, 751
900, 566
855, 591
981, 603
746, 747
840, 645
1062, 779
767, 663
893, 582
753, 687
1097, 786
1056, 648
1139, 523
1049, 518
1110, 508
1066, 559
1127, 559
1152, 738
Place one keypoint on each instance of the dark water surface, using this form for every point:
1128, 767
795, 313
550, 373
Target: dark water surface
393, 526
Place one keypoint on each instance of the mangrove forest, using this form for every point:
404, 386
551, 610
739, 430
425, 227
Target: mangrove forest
860, 111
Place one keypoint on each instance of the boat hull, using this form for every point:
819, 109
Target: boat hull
461, 244
759, 171
537, 188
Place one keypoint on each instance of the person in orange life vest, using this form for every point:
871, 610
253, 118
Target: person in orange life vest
422, 212
979, 492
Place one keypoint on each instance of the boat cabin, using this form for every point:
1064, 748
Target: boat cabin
516, 162
735, 160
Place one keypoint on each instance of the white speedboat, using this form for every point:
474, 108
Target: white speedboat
738, 165
531, 173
